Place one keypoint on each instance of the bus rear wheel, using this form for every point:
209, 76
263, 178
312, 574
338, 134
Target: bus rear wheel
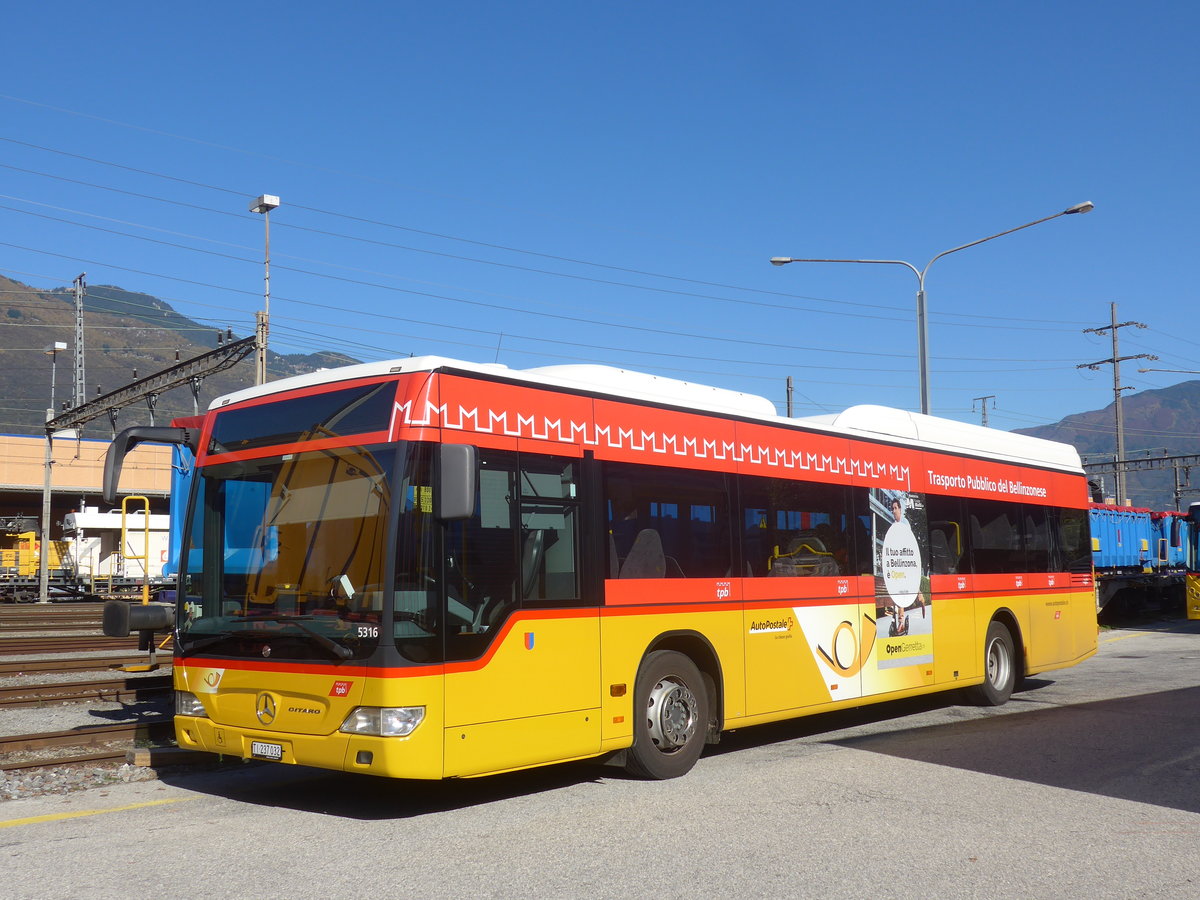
999, 668
670, 717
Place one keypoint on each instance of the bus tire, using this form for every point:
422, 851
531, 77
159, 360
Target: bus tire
670, 717
999, 668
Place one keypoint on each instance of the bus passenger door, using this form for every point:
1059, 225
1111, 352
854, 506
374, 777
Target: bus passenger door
522, 650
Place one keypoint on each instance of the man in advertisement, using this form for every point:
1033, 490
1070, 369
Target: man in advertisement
901, 566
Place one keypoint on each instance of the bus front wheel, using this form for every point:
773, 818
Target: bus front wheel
670, 717
999, 668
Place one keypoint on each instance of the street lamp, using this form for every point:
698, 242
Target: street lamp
50, 350
264, 204
922, 323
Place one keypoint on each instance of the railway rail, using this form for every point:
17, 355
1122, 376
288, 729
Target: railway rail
73, 616
108, 690
75, 664
9, 628
13, 646
77, 617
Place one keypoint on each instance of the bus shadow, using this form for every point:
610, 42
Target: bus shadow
832, 722
1141, 748
371, 798
1159, 624
368, 798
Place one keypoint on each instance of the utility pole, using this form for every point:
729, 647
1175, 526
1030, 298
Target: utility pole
984, 406
790, 390
262, 320
1115, 361
1185, 463
80, 380
1179, 485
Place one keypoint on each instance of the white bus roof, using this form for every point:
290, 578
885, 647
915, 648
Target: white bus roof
867, 421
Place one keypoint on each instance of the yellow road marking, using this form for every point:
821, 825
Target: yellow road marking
56, 817
1122, 637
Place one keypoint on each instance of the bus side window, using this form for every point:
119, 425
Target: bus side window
796, 528
997, 544
947, 534
549, 562
684, 515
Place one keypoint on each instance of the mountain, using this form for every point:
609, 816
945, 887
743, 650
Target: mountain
1161, 422
127, 336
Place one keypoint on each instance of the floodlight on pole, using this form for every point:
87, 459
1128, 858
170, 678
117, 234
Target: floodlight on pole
52, 351
263, 204
922, 319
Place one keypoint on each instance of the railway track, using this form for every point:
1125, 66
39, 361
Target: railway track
58, 617
76, 664
49, 612
13, 646
100, 743
70, 636
108, 690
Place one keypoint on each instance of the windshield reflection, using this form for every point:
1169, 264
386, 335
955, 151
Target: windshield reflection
286, 555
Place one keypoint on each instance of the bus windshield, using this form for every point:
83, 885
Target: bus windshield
285, 555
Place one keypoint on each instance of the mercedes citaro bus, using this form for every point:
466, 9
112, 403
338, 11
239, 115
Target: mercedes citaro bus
428, 568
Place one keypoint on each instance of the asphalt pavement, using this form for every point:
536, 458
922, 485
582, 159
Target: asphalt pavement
1086, 784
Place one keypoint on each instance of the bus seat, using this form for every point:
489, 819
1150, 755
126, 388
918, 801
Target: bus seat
805, 555
646, 558
943, 561
532, 550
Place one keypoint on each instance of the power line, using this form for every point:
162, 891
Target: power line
519, 250
693, 295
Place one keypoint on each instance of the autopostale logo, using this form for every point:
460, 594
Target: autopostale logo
773, 625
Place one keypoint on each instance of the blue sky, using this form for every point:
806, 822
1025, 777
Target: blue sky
545, 183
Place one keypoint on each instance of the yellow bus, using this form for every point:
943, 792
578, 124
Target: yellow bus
429, 568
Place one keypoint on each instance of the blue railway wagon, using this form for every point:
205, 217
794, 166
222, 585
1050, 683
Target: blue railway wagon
1141, 557
1122, 538
1174, 543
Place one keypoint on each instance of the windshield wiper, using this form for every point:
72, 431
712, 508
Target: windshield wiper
200, 642
323, 640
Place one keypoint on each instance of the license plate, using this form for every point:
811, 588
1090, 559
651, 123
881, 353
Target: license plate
263, 750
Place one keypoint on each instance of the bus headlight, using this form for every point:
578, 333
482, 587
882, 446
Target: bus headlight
384, 721
188, 704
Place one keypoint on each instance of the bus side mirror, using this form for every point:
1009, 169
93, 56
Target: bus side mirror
130, 438
457, 479
121, 618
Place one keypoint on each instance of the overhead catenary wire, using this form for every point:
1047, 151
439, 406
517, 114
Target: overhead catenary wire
296, 339
674, 331
789, 365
